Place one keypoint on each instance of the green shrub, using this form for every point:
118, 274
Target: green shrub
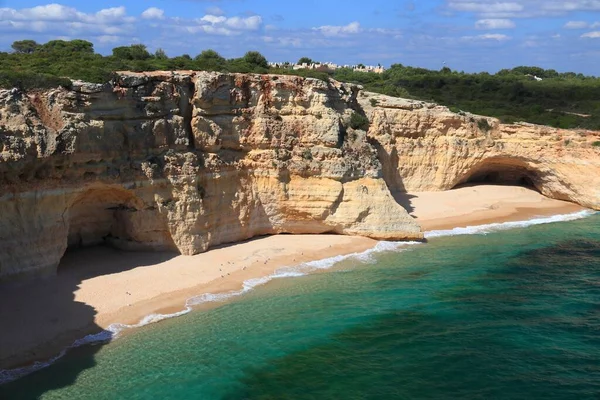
28, 80
359, 121
373, 102
306, 73
307, 154
41, 66
484, 125
508, 119
596, 143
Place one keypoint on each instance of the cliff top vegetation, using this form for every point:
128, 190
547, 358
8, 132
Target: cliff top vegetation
531, 94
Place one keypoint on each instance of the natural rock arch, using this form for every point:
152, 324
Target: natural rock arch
504, 171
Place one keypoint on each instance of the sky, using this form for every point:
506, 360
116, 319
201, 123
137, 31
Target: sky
465, 35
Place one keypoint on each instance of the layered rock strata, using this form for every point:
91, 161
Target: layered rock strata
187, 160
184, 161
425, 147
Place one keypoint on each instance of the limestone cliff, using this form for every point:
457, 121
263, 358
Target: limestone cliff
184, 161
188, 160
425, 147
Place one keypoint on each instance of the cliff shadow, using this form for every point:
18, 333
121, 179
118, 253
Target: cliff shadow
389, 165
405, 200
40, 318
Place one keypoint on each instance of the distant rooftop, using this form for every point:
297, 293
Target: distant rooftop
329, 66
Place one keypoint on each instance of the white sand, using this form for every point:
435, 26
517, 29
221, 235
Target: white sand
482, 204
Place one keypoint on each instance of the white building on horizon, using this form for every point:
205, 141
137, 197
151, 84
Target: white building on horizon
329, 66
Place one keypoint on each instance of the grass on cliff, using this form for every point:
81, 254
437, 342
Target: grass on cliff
565, 100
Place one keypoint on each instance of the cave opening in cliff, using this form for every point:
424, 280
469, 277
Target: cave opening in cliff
112, 230
99, 216
502, 172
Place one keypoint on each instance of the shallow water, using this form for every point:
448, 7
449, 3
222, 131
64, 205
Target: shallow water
507, 315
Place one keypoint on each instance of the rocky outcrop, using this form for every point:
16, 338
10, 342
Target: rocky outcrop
188, 160
184, 161
425, 147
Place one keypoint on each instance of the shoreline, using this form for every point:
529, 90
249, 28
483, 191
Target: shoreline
151, 288
482, 205
158, 283
523, 213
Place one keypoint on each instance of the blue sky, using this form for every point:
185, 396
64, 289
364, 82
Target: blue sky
469, 35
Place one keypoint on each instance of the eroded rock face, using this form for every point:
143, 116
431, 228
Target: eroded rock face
188, 160
184, 161
425, 147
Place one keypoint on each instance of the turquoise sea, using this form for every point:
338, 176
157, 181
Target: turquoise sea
513, 314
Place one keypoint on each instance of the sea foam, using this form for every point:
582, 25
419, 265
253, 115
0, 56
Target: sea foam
501, 226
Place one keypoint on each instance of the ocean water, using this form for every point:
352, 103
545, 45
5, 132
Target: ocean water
509, 314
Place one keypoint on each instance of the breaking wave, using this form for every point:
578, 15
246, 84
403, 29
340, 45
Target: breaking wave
501, 226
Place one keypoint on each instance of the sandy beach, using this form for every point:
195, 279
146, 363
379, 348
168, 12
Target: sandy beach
96, 287
482, 204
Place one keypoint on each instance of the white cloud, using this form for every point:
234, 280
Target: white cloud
213, 19
57, 12
105, 39
215, 11
153, 13
109, 14
251, 23
283, 41
591, 35
493, 36
494, 24
290, 42
333, 30
571, 5
60, 20
485, 7
487, 36
51, 12
576, 25
221, 25
521, 8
